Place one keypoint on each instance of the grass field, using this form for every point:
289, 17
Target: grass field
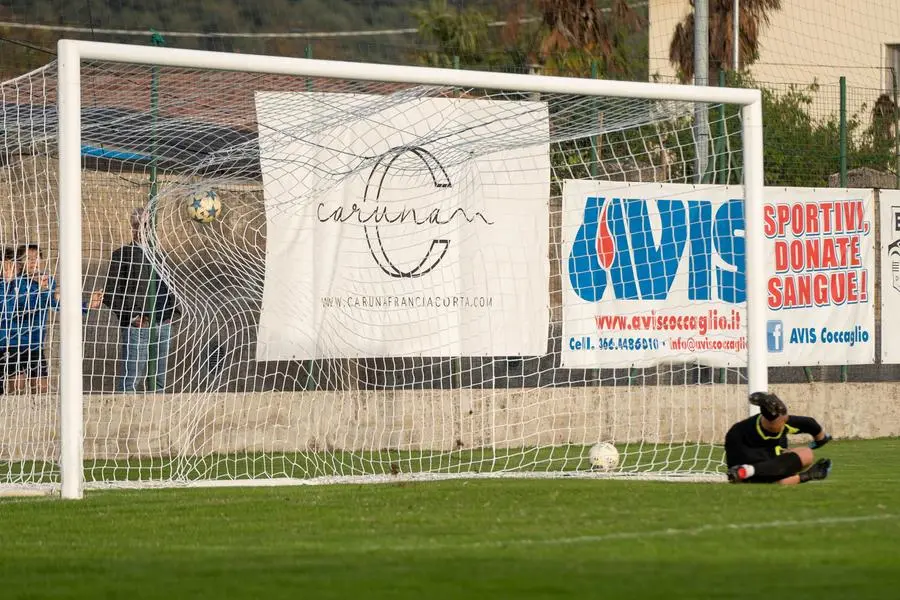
470, 539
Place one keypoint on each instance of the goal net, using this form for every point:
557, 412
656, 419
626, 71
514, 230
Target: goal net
323, 277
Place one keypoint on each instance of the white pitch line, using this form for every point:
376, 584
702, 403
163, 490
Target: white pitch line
638, 535
439, 545
314, 546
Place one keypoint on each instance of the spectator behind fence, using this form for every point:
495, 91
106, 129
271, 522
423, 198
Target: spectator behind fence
142, 316
37, 294
9, 339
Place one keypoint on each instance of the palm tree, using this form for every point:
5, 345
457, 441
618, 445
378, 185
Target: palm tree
754, 14
579, 33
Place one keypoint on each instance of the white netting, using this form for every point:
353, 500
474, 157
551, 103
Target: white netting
408, 382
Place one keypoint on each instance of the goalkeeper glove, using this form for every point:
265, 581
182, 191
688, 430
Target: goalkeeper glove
819, 443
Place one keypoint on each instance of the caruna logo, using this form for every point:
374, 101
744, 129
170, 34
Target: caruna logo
377, 216
617, 245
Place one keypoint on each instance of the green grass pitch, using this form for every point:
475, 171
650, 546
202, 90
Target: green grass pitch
569, 538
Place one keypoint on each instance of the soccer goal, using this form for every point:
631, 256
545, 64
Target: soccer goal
316, 271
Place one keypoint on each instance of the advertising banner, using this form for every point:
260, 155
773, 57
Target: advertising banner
821, 282
656, 273
403, 227
890, 275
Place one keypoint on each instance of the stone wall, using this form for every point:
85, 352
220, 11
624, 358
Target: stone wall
129, 426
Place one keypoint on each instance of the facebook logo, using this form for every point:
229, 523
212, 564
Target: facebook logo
775, 336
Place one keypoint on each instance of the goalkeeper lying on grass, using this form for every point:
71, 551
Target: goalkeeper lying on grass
756, 449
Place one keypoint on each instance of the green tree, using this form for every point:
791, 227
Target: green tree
801, 148
449, 33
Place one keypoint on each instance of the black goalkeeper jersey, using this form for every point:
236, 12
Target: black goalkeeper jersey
747, 443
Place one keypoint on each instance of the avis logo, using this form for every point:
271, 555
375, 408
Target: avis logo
617, 245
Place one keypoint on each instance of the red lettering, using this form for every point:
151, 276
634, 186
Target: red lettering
812, 218
852, 216
854, 258
781, 256
843, 255
803, 292
838, 291
797, 262
769, 225
827, 225
775, 298
829, 256
784, 217
812, 254
797, 219
820, 289
790, 292
853, 290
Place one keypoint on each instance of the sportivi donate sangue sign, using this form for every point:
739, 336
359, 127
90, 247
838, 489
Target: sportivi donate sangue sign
820, 288
657, 273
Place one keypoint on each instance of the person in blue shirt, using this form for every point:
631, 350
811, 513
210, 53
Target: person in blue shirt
38, 295
13, 305
9, 294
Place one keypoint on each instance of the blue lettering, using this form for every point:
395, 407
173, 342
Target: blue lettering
701, 249
730, 244
617, 244
803, 335
587, 277
622, 269
656, 266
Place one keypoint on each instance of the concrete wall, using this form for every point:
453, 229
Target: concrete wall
119, 427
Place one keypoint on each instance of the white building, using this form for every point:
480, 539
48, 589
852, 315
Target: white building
807, 41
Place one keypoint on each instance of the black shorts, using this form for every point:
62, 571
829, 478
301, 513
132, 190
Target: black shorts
790, 463
27, 361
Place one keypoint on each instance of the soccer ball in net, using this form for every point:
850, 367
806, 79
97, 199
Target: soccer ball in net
604, 457
204, 206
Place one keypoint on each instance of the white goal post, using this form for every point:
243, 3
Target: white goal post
72, 87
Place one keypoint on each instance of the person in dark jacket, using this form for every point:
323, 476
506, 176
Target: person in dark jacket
756, 449
145, 318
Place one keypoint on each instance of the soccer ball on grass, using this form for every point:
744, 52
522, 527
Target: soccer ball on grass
604, 457
203, 206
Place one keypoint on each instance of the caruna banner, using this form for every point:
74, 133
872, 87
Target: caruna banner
400, 225
656, 273
890, 275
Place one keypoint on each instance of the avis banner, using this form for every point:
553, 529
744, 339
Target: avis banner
656, 273
889, 201
403, 226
